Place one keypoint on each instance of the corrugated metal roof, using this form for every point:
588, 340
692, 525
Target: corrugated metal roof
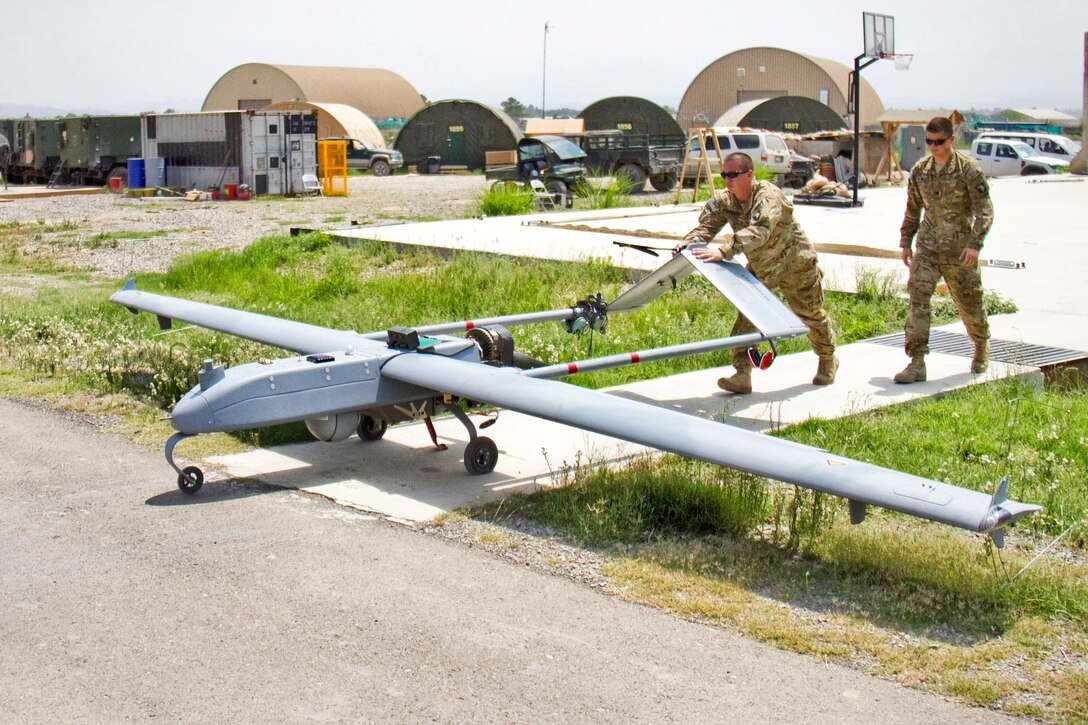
919, 115
338, 119
736, 114
739, 75
377, 92
1045, 114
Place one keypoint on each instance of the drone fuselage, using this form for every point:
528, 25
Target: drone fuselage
301, 387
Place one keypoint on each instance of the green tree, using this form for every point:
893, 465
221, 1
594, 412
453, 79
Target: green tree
513, 107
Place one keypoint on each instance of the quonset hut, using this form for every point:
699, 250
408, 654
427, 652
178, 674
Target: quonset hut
380, 94
335, 120
760, 73
630, 114
458, 131
786, 114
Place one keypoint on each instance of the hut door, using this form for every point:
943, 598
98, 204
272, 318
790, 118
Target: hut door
913, 146
455, 146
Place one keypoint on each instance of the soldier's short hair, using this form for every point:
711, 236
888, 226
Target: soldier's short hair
941, 125
741, 158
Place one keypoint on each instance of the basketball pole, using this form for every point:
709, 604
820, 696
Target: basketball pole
855, 95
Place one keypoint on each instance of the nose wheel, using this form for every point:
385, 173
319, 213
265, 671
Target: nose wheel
190, 478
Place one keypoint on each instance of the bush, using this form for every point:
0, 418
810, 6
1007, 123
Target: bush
608, 193
504, 199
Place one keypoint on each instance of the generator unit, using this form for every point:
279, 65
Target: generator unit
269, 151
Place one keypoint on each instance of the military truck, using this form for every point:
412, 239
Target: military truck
635, 157
555, 160
74, 150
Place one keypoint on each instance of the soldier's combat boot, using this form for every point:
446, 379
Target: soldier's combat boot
739, 382
981, 360
913, 373
825, 374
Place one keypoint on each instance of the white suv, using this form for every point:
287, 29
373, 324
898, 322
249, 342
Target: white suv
766, 150
1045, 144
1003, 157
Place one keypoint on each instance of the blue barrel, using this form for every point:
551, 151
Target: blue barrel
136, 174
155, 171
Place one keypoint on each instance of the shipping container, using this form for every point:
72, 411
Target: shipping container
267, 150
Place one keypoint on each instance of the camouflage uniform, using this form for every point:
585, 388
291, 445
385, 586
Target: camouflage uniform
958, 214
779, 255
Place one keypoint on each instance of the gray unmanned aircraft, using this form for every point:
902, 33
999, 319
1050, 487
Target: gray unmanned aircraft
343, 382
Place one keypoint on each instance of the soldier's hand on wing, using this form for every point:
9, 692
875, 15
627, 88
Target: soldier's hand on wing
969, 257
906, 254
712, 254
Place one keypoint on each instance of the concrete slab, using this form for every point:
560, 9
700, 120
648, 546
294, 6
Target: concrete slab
1038, 223
405, 478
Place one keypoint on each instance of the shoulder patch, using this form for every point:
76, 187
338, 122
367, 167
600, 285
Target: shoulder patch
981, 188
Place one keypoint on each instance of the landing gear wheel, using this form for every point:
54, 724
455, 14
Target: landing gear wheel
481, 455
190, 480
372, 429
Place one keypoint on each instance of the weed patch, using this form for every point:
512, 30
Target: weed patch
504, 199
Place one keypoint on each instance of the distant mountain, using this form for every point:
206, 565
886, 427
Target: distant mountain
19, 110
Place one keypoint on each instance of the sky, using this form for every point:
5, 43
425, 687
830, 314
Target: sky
124, 56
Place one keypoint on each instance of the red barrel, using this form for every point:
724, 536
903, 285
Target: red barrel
230, 191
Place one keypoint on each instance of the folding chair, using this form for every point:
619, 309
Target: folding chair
312, 185
543, 198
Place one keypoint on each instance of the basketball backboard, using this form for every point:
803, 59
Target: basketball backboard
879, 34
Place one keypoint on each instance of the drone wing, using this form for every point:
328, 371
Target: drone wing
667, 430
739, 286
287, 334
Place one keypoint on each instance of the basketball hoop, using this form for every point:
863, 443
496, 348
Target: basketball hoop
901, 60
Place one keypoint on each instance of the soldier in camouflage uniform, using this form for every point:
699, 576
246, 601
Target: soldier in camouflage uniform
952, 189
779, 255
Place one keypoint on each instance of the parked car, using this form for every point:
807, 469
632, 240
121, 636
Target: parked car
361, 155
766, 150
1013, 158
1045, 144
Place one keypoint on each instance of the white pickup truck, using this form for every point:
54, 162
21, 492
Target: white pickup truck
1001, 157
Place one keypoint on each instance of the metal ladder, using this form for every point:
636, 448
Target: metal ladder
55, 177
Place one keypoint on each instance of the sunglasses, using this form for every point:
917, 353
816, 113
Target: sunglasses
935, 141
733, 174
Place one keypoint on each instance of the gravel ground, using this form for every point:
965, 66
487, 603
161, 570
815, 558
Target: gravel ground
72, 222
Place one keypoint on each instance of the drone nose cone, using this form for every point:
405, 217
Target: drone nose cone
192, 415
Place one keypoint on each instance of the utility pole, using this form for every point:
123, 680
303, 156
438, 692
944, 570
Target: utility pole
544, 83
